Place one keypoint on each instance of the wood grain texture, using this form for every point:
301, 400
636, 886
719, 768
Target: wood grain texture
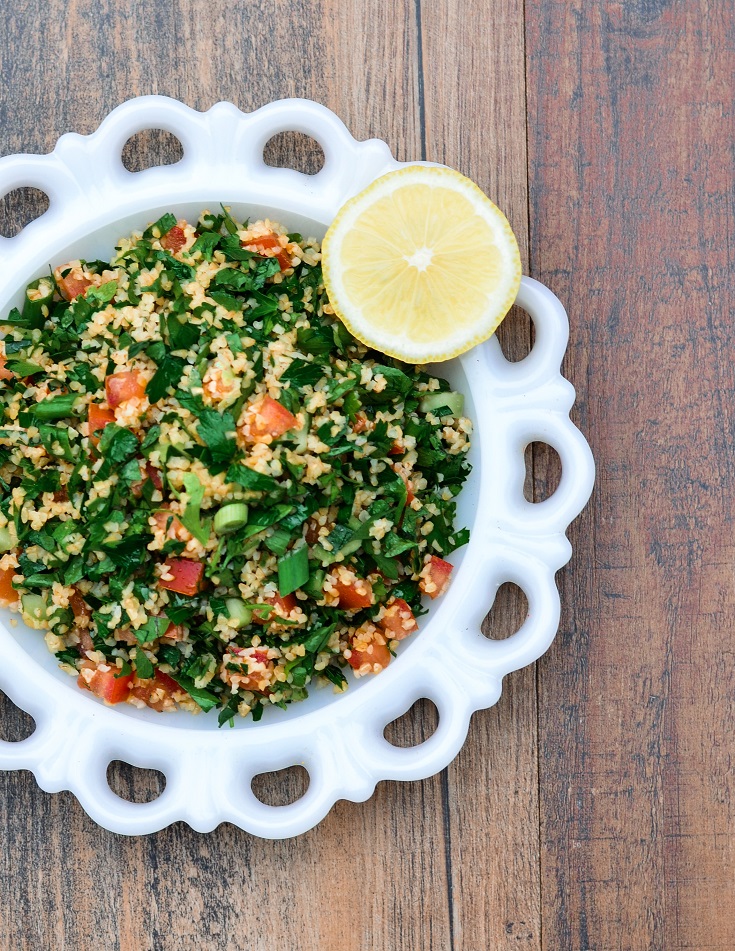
475, 119
630, 138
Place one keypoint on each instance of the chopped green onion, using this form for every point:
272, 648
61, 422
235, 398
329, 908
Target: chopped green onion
314, 587
230, 517
293, 570
33, 309
279, 541
240, 614
454, 402
55, 407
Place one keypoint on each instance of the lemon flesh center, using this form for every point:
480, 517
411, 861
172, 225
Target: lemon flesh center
420, 259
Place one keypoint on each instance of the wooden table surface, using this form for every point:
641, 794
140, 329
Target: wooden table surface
592, 808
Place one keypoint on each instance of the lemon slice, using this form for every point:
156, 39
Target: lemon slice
421, 265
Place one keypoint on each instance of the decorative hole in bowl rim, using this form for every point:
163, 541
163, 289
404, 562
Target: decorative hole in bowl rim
95, 200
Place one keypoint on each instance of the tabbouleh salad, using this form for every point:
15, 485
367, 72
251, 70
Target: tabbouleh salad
211, 494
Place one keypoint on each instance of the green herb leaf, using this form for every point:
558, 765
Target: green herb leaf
301, 373
169, 655
265, 269
143, 666
101, 295
182, 335
204, 698
131, 472
395, 546
23, 367
167, 375
191, 518
125, 671
233, 250
117, 444
161, 227
335, 675
206, 243
316, 340
233, 277
318, 638
217, 432
226, 301
182, 272
153, 628
250, 479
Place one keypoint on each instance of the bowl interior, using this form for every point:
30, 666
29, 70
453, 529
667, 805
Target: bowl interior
100, 244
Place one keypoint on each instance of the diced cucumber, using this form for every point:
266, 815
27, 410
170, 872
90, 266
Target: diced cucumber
35, 611
454, 402
240, 614
8, 538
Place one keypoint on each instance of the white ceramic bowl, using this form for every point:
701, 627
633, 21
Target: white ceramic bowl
94, 200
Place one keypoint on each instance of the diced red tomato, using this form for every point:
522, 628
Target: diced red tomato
255, 680
151, 474
167, 522
374, 654
98, 418
395, 450
168, 683
79, 606
8, 594
282, 608
436, 577
74, 284
311, 535
398, 621
266, 417
266, 245
361, 423
106, 685
323, 518
121, 387
5, 374
82, 614
186, 576
156, 690
154, 475
175, 632
174, 240
354, 595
